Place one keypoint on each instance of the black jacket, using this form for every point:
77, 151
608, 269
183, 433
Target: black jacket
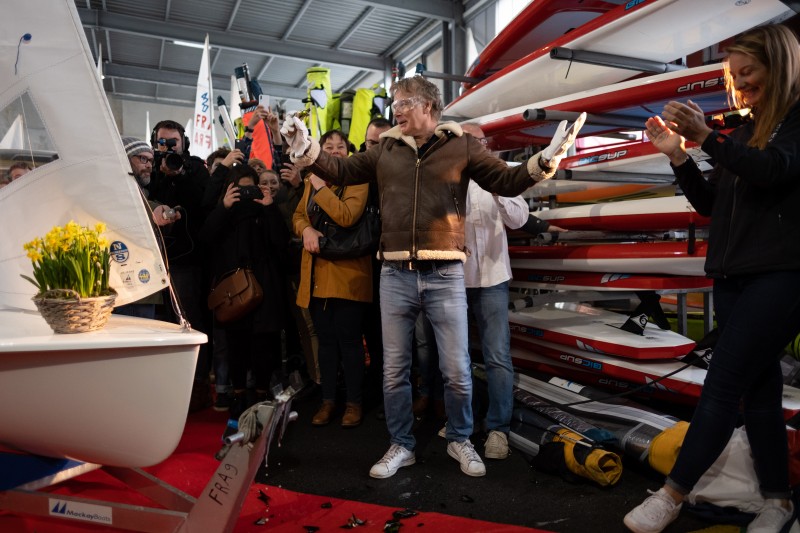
251, 235
185, 190
753, 198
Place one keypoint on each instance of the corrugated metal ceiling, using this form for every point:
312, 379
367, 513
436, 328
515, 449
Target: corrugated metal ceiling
278, 39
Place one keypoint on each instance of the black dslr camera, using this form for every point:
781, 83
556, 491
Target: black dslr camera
173, 159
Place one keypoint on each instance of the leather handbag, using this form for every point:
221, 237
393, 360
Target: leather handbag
358, 240
235, 295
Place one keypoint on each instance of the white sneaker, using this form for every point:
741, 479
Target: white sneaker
654, 514
468, 458
772, 518
397, 457
496, 446
443, 432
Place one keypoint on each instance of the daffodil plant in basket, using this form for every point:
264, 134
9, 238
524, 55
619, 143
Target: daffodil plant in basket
71, 271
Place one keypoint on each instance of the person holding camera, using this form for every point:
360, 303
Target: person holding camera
245, 230
179, 180
223, 159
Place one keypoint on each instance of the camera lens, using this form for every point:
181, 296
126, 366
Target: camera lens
173, 160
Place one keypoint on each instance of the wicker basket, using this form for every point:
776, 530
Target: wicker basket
66, 312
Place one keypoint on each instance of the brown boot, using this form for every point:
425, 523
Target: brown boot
352, 415
323, 416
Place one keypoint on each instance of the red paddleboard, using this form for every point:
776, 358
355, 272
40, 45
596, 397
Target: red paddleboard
627, 103
609, 371
671, 258
638, 157
582, 192
565, 280
539, 23
654, 30
647, 215
596, 330
623, 375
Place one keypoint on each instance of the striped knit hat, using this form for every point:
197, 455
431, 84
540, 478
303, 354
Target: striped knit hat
134, 146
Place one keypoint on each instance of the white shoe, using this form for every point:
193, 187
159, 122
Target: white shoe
468, 458
496, 446
654, 514
772, 518
443, 432
397, 457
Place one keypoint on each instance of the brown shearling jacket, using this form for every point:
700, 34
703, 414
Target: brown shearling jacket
422, 199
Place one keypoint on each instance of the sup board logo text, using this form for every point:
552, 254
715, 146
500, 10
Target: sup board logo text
634, 3
580, 361
704, 84
602, 157
546, 278
524, 329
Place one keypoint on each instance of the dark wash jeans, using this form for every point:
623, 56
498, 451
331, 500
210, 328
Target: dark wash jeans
338, 323
757, 316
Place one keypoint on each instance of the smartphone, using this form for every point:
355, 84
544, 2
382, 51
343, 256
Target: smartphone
263, 101
285, 158
250, 192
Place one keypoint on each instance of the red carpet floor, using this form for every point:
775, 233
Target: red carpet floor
189, 470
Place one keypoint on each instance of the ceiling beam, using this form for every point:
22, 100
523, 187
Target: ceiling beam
188, 79
436, 9
233, 14
296, 20
236, 41
353, 27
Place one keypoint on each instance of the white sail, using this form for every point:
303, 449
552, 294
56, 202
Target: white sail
13, 139
203, 142
89, 182
234, 109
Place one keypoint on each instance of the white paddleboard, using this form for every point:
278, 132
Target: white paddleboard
649, 214
671, 258
598, 331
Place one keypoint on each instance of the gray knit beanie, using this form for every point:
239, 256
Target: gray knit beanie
134, 146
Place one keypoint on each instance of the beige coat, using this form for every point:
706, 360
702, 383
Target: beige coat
349, 279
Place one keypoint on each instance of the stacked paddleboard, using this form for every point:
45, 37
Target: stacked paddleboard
522, 88
673, 29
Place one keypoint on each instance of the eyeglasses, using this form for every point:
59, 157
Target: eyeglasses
405, 104
143, 159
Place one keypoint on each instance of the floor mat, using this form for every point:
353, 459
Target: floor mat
266, 508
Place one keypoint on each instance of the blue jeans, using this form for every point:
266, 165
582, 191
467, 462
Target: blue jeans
430, 379
757, 316
489, 308
441, 296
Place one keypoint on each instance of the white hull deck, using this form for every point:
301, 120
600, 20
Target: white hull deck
118, 396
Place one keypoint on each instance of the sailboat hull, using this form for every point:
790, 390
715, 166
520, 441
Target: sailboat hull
118, 396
